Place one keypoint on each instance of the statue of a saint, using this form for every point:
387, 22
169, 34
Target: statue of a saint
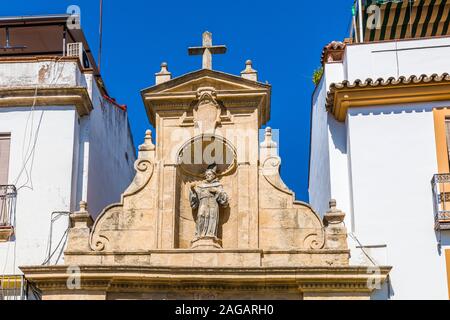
207, 197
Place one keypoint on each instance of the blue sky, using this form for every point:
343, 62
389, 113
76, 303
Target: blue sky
283, 38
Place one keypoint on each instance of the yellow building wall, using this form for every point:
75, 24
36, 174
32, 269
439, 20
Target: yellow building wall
447, 258
441, 139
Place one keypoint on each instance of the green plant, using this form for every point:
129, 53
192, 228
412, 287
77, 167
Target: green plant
317, 75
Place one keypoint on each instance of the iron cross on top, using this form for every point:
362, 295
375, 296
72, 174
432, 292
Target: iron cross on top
207, 50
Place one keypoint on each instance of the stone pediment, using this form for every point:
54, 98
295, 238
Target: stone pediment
232, 90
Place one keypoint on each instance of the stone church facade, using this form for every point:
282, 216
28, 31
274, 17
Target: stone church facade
260, 242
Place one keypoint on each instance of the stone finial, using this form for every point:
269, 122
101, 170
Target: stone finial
333, 205
249, 73
148, 142
335, 230
268, 148
334, 215
83, 206
268, 142
147, 150
82, 218
164, 75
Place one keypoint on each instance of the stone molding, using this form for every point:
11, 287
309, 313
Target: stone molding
47, 96
304, 279
381, 92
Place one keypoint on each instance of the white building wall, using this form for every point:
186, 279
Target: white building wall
319, 166
381, 161
393, 155
111, 154
75, 159
44, 182
64, 73
397, 58
328, 160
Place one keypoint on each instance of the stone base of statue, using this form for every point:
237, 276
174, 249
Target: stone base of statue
207, 243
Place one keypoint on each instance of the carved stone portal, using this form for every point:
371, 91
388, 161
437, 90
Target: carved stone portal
252, 238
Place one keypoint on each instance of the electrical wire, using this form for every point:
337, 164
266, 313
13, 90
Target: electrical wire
353, 236
57, 247
54, 217
57, 69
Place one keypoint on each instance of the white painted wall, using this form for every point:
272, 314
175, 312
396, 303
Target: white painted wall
45, 186
319, 167
397, 58
111, 154
381, 161
75, 159
19, 74
393, 156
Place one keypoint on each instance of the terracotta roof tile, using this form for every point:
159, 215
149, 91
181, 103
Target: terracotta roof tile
333, 52
380, 82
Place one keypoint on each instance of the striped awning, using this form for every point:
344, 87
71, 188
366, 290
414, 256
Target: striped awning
404, 19
11, 282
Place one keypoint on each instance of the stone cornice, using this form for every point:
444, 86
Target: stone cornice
346, 95
46, 96
172, 251
336, 279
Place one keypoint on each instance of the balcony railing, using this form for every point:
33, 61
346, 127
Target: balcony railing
8, 196
441, 196
13, 288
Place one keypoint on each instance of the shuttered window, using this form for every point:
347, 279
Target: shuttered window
5, 142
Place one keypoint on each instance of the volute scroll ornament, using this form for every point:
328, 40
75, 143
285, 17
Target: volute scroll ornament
271, 163
144, 166
109, 219
315, 238
99, 240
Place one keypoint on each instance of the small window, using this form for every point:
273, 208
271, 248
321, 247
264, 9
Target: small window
7, 192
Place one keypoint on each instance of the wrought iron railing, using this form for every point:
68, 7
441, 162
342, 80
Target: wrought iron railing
8, 195
441, 198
